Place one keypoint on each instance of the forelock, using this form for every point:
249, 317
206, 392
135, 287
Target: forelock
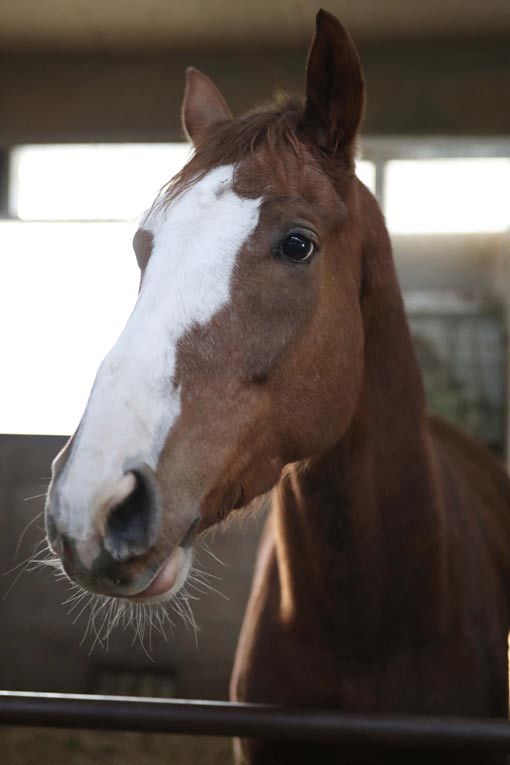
271, 128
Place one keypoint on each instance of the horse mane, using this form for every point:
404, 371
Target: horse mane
271, 125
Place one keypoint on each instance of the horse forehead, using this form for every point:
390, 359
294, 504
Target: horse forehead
196, 237
203, 199
200, 230
296, 173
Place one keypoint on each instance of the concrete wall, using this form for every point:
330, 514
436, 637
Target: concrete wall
468, 263
435, 87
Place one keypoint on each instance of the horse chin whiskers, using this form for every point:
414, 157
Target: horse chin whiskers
106, 614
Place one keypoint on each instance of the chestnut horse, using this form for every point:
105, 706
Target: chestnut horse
269, 348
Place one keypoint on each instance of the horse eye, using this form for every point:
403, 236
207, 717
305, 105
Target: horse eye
297, 247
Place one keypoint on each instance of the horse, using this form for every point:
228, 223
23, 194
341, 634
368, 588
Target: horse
268, 350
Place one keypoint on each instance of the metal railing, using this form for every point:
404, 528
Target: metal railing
213, 718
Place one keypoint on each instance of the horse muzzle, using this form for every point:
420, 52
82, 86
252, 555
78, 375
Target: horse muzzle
121, 553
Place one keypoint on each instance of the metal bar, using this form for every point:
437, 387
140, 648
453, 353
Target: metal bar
212, 718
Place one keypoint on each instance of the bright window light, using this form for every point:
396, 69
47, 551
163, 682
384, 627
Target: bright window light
365, 171
66, 290
91, 181
447, 195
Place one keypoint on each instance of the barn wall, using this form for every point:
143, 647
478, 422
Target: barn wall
467, 263
436, 87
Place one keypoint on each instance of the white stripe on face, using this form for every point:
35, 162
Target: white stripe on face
133, 404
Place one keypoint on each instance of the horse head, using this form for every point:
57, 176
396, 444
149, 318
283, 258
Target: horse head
244, 351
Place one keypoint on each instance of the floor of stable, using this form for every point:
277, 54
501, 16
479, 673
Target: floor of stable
44, 746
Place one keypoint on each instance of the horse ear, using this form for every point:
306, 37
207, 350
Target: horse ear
203, 104
334, 86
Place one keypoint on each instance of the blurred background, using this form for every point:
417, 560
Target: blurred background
90, 94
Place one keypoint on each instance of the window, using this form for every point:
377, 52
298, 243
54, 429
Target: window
90, 181
65, 293
447, 195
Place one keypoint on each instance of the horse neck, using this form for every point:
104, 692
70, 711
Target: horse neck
359, 529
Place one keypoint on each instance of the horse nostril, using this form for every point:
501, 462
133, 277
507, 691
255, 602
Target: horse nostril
64, 550
133, 525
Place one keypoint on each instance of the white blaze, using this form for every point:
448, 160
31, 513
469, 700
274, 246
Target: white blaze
133, 403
